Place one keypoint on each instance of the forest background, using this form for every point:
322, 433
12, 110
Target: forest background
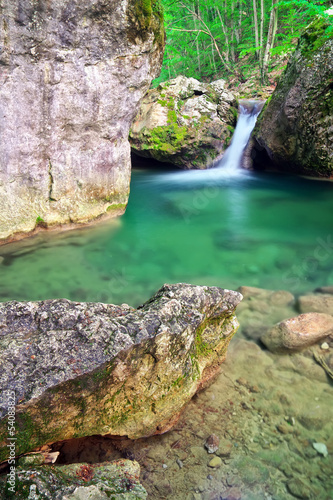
246, 42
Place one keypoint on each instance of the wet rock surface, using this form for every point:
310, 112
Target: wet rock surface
267, 411
299, 332
294, 131
78, 369
185, 122
72, 75
119, 480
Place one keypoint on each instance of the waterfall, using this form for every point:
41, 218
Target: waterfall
248, 113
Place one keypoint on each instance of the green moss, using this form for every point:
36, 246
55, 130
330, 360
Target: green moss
171, 103
172, 116
180, 104
203, 348
178, 382
314, 36
168, 138
116, 206
146, 16
162, 102
40, 222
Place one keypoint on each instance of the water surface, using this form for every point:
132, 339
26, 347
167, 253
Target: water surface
203, 227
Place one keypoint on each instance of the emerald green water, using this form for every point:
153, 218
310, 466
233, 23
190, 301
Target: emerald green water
208, 228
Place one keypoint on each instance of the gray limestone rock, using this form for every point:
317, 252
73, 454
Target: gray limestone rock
72, 369
72, 75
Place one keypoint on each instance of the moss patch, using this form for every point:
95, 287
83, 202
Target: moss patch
145, 17
315, 35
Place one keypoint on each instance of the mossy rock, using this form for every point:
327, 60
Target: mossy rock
113, 370
117, 480
294, 131
184, 122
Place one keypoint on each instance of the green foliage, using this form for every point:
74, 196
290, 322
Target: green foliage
207, 39
40, 222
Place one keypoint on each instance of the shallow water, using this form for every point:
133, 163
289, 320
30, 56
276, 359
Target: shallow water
201, 227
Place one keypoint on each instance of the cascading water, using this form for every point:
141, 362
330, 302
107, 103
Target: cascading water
248, 113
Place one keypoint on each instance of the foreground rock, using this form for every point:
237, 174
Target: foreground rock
295, 130
77, 369
185, 122
72, 75
117, 480
298, 332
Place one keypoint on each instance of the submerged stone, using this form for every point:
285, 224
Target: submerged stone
215, 462
320, 448
321, 303
72, 369
212, 443
298, 332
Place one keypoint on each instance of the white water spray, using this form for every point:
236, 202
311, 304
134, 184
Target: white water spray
248, 113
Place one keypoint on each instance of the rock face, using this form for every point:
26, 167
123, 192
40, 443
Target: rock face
295, 129
185, 122
77, 369
72, 75
118, 480
298, 332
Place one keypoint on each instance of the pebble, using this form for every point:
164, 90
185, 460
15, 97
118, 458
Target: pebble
283, 428
320, 448
215, 462
231, 494
325, 346
164, 466
179, 463
212, 443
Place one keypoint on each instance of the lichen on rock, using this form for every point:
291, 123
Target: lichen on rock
295, 130
80, 369
118, 480
72, 76
185, 122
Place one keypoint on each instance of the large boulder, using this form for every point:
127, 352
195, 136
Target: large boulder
295, 130
72, 75
185, 122
71, 369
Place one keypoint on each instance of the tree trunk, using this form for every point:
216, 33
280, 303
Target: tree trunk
262, 18
270, 40
256, 32
225, 34
196, 40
